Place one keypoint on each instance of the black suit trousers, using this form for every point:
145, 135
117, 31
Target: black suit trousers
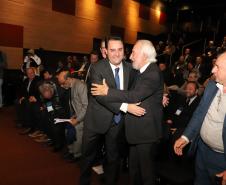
92, 143
142, 164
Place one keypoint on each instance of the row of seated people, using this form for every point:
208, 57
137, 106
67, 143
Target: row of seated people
41, 101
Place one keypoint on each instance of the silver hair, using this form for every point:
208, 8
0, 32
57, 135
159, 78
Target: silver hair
46, 87
148, 49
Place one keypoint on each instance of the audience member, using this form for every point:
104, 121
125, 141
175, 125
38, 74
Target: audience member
181, 109
51, 108
78, 102
103, 49
92, 60
28, 106
31, 60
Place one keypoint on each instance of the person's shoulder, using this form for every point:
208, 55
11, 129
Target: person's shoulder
78, 83
127, 64
100, 64
211, 84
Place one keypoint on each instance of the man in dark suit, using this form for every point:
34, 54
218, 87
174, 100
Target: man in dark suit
182, 107
104, 119
208, 124
143, 132
28, 108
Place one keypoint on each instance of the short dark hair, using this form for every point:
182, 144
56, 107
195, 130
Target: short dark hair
50, 71
194, 83
118, 38
67, 74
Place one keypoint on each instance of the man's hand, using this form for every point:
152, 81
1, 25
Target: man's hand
179, 145
21, 99
136, 110
165, 100
223, 176
99, 90
73, 121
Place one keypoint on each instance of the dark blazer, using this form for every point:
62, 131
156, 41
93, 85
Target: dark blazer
147, 89
33, 90
99, 112
193, 129
181, 120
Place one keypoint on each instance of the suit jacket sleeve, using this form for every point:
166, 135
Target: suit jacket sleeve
97, 78
146, 85
82, 95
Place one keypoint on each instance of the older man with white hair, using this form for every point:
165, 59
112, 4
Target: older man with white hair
143, 132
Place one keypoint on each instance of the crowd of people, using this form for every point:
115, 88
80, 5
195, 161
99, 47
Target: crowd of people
111, 112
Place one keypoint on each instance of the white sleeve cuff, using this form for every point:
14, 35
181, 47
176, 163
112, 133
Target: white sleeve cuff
124, 107
185, 138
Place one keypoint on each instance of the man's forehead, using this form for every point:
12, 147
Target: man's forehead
115, 43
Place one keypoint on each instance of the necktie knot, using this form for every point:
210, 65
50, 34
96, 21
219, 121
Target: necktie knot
187, 101
116, 70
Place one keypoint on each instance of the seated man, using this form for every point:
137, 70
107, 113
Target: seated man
51, 108
182, 108
28, 106
78, 102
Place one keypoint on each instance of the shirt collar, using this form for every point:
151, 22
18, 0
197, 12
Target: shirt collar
144, 67
192, 99
113, 67
220, 87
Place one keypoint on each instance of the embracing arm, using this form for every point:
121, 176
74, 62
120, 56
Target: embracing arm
97, 77
146, 86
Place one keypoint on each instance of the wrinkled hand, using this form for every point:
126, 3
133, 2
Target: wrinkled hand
223, 176
73, 121
136, 110
99, 90
32, 99
179, 145
165, 100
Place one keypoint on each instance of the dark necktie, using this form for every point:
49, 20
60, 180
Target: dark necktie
187, 101
117, 117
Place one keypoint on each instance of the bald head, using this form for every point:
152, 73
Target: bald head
219, 69
64, 79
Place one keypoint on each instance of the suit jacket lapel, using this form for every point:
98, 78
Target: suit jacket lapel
109, 74
125, 75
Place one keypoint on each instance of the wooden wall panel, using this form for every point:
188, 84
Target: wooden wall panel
57, 31
67, 7
14, 57
11, 35
144, 12
106, 3
117, 31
